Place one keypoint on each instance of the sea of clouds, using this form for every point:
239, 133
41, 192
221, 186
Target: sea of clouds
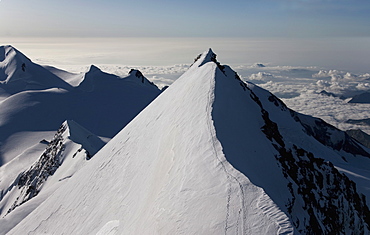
316, 92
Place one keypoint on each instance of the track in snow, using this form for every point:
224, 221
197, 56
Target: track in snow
228, 174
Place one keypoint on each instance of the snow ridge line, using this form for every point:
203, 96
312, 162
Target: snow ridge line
269, 208
228, 174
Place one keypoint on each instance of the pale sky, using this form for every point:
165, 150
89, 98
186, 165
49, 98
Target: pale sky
191, 18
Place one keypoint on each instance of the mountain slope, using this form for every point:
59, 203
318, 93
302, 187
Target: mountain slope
363, 98
111, 101
18, 73
64, 155
34, 101
259, 133
212, 155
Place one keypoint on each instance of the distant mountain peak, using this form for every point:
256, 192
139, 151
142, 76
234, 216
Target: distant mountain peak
363, 98
9, 52
258, 65
19, 73
11, 60
136, 73
93, 69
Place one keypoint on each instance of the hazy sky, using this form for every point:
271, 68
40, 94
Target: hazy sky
190, 18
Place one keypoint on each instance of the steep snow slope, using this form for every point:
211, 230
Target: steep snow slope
285, 152
71, 78
213, 155
69, 151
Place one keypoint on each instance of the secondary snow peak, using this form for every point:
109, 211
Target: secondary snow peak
93, 69
80, 135
136, 73
69, 150
11, 61
8, 52
18, 73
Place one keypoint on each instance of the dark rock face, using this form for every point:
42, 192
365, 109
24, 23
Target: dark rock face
140, 76
31, 181
330, 199
137, 74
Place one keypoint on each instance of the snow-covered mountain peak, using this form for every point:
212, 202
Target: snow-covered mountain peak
19, 73
8, 53
136, 73
70, 149
210, 57
11, 61
80, 135
93, 69
205, 57
96, 79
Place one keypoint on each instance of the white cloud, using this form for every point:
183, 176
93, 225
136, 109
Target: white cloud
322, 84
337, 76
331, 109
363, 86
365, 76
350, 76
322, 74
261, 76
